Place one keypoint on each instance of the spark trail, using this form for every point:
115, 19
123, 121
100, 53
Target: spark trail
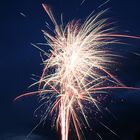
77, 68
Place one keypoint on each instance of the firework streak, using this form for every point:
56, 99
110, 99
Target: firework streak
77, 68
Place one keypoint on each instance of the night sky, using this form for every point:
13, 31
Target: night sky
19, 60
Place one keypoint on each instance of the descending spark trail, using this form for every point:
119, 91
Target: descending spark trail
76, 69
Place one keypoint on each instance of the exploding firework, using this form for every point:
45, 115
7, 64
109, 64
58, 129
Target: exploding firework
76, 69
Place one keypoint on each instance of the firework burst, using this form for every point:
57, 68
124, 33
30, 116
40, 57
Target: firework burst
77, 68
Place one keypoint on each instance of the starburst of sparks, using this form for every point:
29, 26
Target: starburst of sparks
77, 68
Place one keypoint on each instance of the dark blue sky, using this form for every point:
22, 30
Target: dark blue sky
18, 60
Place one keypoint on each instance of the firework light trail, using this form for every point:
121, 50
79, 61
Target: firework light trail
76, 69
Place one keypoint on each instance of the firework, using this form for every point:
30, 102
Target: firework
76, 69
